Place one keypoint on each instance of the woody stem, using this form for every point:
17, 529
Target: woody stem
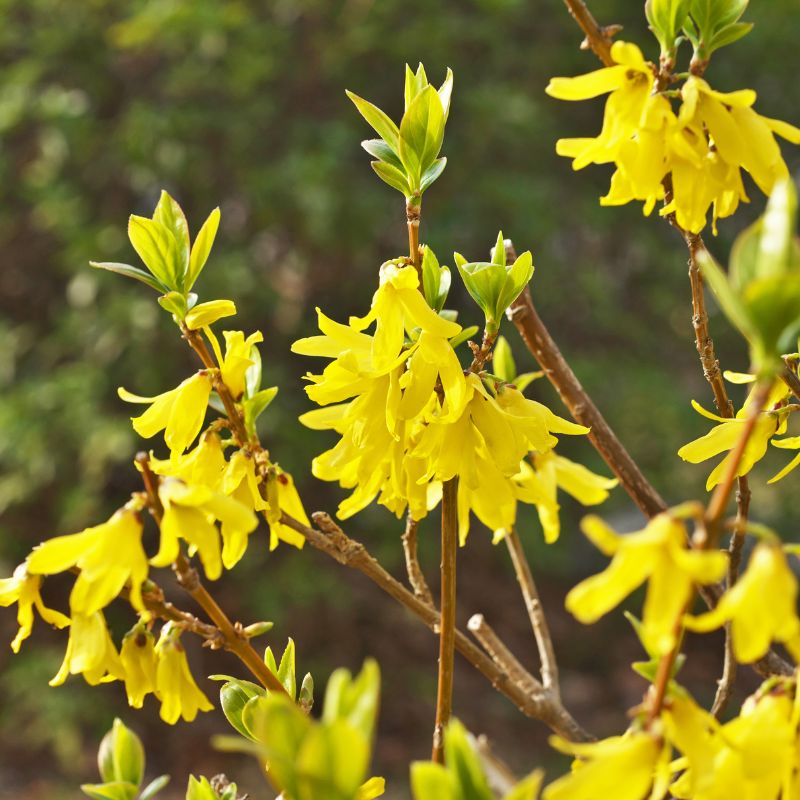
447, 624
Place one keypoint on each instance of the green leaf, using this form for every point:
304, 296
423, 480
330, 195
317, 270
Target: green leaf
121, 756
463, 762
527, 788
446, 93
233, 697
200, 790
115, 790
306, 697
435, 280
432, 173
466, 333
503, 361
431, 781
377, 148
776, 246
666, 18
131, 272
171, 216
202, 247
252, 377
354, 699
157, 248
154, 787
175, 303
380, 122
393, 176
421, 134
286, 670
415, 83
729, 35
527, 378
256, 405
727, 298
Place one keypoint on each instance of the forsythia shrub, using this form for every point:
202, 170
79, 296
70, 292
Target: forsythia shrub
425, 418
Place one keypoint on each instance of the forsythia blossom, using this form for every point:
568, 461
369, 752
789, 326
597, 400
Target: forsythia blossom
139, 662
23, 589
175, 687
761, 607
109, 556
659, 555
90, 651
703, 147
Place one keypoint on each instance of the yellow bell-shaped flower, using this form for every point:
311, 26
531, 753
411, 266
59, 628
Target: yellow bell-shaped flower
109, 556
90, 651
139, 662
23, 589
658, 554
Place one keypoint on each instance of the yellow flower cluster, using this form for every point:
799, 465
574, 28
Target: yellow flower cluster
702, 147
687, 754
409, 418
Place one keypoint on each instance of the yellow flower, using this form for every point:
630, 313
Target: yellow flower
790, 443
631, 767
238, 358
109, 556
749, 757
179, 412
282, 498
205, 314
190, 513
398, 306
240, 482
761, 607
139, 662
725, 436
204, 466
175, 687
90, 651
538, 485
658, 554
23, 589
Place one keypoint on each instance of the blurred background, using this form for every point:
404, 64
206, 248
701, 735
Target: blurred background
242, 105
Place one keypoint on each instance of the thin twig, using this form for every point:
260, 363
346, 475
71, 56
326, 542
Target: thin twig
447, 627
541, 630
597, 38
538, 340
330, 539
416, 577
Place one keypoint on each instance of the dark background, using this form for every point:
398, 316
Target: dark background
242, 105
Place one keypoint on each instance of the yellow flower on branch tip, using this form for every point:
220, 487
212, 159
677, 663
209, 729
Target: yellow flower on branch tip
205, 314
109, 556
190, 513
175, 687
398, 306
630, 767
240, 481
726, 435
658, 554
179, 412
23, 589
538, 485
238, 358
90, 651
761, 607
139, 662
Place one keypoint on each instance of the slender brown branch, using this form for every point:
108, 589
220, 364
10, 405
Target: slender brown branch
413, 211
541, 630
232, 634
416, 577
541, 345
789, 375
330, 539
447, 627
597, 38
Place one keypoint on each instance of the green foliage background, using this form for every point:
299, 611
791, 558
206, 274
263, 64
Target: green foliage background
242, 104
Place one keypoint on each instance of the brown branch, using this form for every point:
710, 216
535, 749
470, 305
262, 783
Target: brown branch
330, 539
416, 577
580, 405
541, 631
789, 375
235, 641
413, 212
447, 626
597, 38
